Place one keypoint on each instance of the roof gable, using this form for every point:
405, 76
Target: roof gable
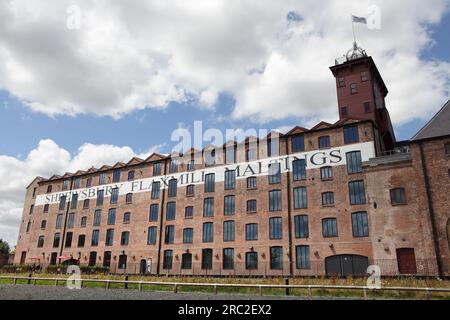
438, 126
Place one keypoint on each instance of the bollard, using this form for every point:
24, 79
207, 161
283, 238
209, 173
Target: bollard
286, 282
126, 282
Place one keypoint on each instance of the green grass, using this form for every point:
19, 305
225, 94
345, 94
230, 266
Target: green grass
371, 294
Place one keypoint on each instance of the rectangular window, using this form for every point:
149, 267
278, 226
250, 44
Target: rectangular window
354, 163
251, 260
130, 176
188, 235
49, 189
301, 227
210, 158
228, 230
43, 224
190, 190
300, 198
275, 228
251, 183
46, 206
327, 199
447, 149
208, 207
341, 82
189, 212
191, 165
111, 217
74, 202
367, 108
207, 256
208, 232
275, 200
363, 76
273, 147
59, 221
156, 168
209, 182
100, 195
351, 134
40, 243
62, 203
71, 220
276, 258
102, 178
89, 182
151, 239
153, 212
229, 206
172, 191
344, 113
109, 237
170, 211
126, 217
56, 240
251, 154
129, 198
230, 154
251, 206
116, 175
95, 236
169, 234
329, 228
397, 196
83, 222
298, 143
65, 184
360, 224
274, 173
251, 232
86, 203
114, 195
302, 257
124, 238
31, 209
353, 88
324, 142
81, 240
97, 217
357, 192
173, 168
326, 173
155, 190
230, 179
76, 183
167, 261
228, 258
299, 169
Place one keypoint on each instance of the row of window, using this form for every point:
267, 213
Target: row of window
302, 254
360, 228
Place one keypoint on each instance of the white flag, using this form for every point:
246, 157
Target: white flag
359, 19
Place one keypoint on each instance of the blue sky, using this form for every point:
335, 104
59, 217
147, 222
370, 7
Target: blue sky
22, 128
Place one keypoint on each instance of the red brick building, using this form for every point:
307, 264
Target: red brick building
332, 199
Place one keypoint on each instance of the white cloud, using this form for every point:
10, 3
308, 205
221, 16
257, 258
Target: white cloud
145, 54
47, 159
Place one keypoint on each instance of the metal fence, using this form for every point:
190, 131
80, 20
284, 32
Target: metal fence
424, 268
216, 286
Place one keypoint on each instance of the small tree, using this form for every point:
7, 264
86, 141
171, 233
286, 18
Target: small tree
4, 246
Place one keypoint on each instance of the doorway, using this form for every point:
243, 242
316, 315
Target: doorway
143, 267
406, 261
346, 265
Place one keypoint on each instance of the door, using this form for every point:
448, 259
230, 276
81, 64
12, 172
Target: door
143, 267
346, 265
23, 257
92, 258
123, 261
107, 259
406, 261
53, 258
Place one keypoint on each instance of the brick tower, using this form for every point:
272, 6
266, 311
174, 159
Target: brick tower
361, 93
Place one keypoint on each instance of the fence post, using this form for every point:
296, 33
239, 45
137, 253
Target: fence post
140, 285
286, 282
427, 293
107, 285
215, 289
260, 290
29, 280
175, 288
309, 293
15, 280
126, 282
365, 293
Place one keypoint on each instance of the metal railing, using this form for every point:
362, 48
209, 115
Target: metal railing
215, 286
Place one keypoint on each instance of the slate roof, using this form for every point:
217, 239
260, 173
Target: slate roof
438, 126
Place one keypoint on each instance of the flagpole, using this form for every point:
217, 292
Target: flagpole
353, 29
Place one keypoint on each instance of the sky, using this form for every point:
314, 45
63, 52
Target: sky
86, 83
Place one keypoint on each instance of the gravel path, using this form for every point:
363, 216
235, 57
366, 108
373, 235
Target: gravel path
41, 292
